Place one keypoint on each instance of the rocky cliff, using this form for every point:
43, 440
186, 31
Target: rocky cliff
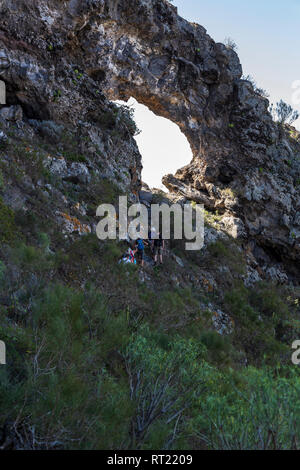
63, 60
101, 355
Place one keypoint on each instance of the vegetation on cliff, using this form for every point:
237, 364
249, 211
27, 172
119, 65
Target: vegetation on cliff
194, 354
100, 358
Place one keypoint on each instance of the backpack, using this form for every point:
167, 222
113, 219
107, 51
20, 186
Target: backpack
131, 256
140, 244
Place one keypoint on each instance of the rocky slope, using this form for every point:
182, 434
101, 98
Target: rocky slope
90, 341
62, 60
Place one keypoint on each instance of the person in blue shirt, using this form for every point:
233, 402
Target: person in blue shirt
140, 246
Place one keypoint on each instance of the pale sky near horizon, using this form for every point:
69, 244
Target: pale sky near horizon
267, 34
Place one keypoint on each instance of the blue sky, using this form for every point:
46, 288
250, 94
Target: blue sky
267, 33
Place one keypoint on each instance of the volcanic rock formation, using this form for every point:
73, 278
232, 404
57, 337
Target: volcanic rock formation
63, 60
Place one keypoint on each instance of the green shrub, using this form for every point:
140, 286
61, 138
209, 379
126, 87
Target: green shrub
112, 252
259, 318
218, 347
269, 300
2, 185
74, 157
262, 415
237, 303
228, 252
165, 382
218, 249
8, 229
32, 259
44, 240
59, 376
2, 270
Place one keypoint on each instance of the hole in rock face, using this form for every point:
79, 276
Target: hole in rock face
34, 107
97, 75
226, 175
164, 148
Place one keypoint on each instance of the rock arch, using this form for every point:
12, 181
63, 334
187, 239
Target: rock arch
144, 49
176, 70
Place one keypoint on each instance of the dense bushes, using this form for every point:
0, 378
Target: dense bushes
104, 356
261, 412
262, 320
84, 373
7, 223
57, 378
166, 380
79, 377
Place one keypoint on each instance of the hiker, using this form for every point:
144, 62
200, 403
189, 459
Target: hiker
151, 237
140, 245
128, 257
131, 252
125, 259
159, 245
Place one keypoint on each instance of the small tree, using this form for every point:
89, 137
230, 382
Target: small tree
284, 113
261, 91
230, 44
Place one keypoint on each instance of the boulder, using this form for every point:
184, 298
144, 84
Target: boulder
12, 113
222, 322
